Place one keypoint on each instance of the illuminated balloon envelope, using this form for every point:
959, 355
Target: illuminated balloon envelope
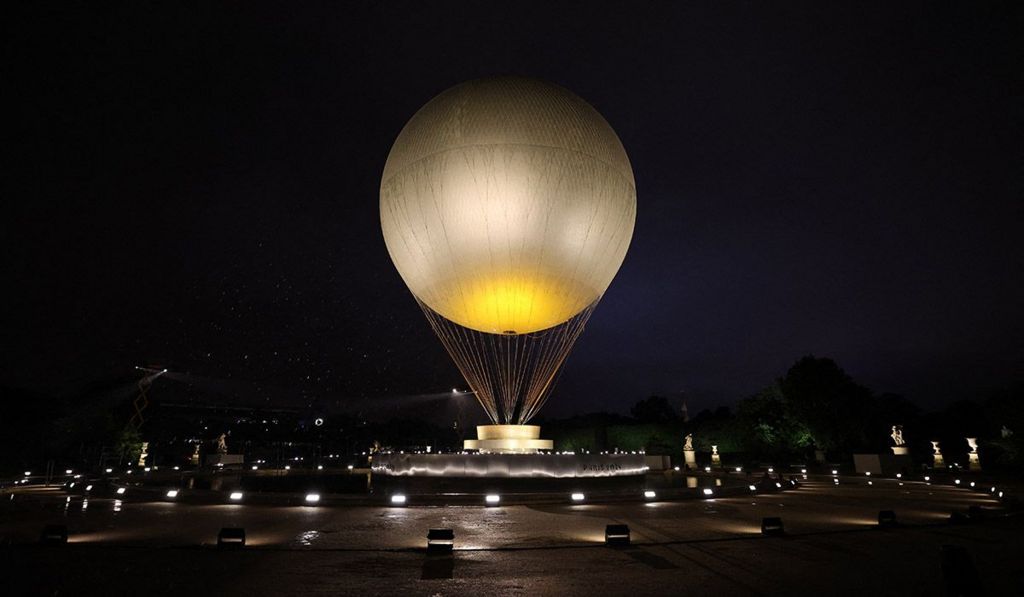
507, 206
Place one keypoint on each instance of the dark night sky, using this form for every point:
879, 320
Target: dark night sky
200, 189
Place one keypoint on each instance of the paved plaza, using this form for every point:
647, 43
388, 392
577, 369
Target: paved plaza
692, 547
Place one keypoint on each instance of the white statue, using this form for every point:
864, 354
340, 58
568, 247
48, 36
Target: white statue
688, 442
897, 435
1006, 432
222, 444
973, 443
143, 453
714, 450
935, 446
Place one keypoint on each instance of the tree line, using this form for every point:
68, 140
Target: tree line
816, 405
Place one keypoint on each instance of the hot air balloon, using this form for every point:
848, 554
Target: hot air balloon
507, 205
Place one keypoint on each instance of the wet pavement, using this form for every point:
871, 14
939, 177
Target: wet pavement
711, 547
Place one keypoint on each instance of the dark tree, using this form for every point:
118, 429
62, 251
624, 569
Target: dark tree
768, 426
835, 409
655, 409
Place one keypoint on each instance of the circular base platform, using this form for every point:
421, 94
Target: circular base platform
549, 466
515, 439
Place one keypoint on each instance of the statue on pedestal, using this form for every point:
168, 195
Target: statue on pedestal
222, 444
716, 460
897, 436
973, 461
938, 460
689, 456
143, 453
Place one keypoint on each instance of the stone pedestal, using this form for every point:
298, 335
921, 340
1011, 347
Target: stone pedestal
900, 450
224, 459
939, 461
974, 463
819, 456
690, 458
716, 460
508, 439
883, 464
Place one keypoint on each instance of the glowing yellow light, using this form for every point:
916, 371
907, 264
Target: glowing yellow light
520, 302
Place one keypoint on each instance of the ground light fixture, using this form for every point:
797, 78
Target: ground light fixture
229, 537
927, 478
492, 498
109, 470
739, 469
440, 540
957, 517
676, 469
172, 493
236, 496
835, 472
752, 487
120, 490
616, 535
778, 485
650, 494
957, 481
54, 534
708, 491
312, 498
707, 469
772, 525
88, 487
350, 467
886, 518
578, 497
398, 498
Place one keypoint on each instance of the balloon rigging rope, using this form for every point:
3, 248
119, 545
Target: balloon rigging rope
512, 375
